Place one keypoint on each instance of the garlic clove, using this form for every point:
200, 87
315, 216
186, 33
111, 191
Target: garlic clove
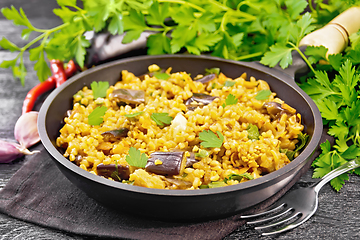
26, 131
10, 151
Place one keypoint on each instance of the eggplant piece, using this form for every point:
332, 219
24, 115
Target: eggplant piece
206, 78
191, 160
199, 100
276, 110
128, 96
180, 184
169, 163
116, 172
114, 135
165, 163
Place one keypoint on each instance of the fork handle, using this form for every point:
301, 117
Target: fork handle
337, 172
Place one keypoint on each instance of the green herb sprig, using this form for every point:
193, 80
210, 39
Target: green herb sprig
239, 30
335, 89
210, 139
99, 89
135, 158
161, 119
96, 116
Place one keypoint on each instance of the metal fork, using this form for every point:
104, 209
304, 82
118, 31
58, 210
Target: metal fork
298, 205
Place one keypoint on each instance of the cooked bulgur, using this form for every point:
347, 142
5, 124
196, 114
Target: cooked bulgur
187, 133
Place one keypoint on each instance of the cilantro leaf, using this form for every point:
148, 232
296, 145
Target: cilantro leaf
346, 81
158, 13
338, 128
202, 153
161, 119
304, 25
212, 70
131, 35
231, 100
135, 158
217, 184
278, 53
295, 7
339, 181
41, 67
161, 75
71, 3
99, 89
210, 139
229, 83
316, 53
78, 48
6, 44
116, 25
303, 138
335, 60
328, 109
263, 94
134, 21
202, 43
253, 132
96, 116
238, 177
350, 113
352, 152
158, 44
18, 17
132, 115
8, 63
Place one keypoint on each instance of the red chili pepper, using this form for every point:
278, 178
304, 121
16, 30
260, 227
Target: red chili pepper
59, 77
35, 92
57, 68
71, 68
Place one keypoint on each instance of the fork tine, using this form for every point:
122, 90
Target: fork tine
270, 218
279, 222
270, 209
292, 225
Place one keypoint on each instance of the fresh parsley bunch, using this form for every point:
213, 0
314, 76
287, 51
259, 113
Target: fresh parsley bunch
334, 86
233, 29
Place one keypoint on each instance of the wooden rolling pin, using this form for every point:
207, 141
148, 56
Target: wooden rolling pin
335, 35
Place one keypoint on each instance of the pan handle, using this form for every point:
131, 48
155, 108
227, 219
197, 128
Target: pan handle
335, 35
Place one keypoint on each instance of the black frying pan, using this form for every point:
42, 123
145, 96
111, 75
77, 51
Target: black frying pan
180, 204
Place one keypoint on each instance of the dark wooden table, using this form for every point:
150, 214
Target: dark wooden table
338, 216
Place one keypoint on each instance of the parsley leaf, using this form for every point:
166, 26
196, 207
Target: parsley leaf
278, 53
133, 115
231, 100
162, 75
135, 158
96, 116
253, 132
238, 177
161, 119
6, 44
99, 89
41, 67
229, 83
210, 139
217, 184
212, 70
202, 153
158, 44
263, 94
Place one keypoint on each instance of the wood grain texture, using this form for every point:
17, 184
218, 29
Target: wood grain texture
338, 216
